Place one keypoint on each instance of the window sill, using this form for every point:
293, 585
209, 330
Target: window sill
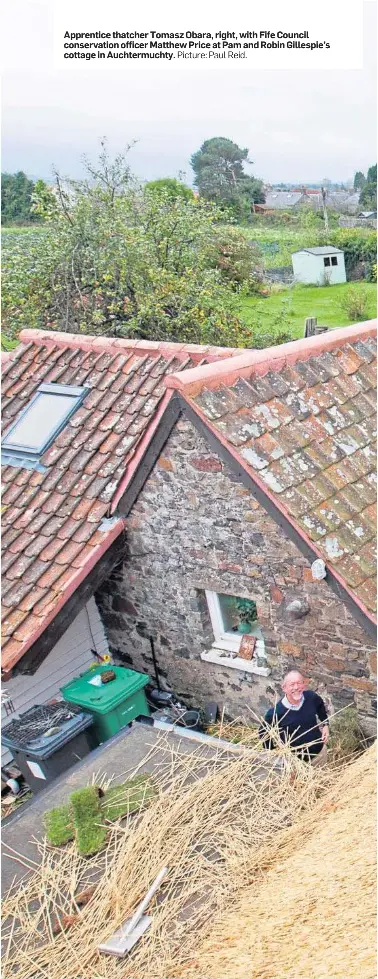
228, 659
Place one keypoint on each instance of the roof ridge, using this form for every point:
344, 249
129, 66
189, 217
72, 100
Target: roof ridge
228, 371
155, 348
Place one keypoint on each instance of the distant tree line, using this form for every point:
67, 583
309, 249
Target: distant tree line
18, 195
367, 187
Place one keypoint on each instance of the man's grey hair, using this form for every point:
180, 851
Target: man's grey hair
292, 673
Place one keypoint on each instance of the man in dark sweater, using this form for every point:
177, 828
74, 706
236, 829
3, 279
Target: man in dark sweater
297, 716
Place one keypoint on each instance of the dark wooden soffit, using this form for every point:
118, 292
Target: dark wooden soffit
34, 656
244, 477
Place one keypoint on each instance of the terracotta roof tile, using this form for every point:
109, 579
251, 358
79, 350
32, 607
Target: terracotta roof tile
368, 559
34, 572
52, 517
57, 503
50, 576
96, 511
348, 359
52, 549
83, 533
306, 370
23, 630
82, 554
364, 351
81, 509
16, 568
349, 566
9, 538
12, 622
367, 375
370, 516
8, 560
15, 595
367, 592
110, 443
35, 546
32, 598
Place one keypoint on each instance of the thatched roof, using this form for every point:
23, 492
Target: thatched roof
312, 915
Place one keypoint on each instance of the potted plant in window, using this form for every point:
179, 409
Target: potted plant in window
247, 613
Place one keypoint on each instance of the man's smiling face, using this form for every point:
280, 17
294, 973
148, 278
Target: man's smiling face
293, 686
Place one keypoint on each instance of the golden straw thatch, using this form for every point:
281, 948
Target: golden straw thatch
217, 823
312, 915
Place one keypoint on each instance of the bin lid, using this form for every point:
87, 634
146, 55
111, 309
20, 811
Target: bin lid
35, 740
102, 699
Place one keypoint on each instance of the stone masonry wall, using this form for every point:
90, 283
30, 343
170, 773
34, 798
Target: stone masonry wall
195, 527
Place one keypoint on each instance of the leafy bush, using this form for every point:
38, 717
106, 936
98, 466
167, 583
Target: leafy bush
169, 186
117, 259
358, 245
237, 260
355, 302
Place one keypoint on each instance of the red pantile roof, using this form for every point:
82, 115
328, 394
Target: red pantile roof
54, 523
301, 419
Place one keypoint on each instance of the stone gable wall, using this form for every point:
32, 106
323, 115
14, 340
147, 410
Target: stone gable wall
195, 527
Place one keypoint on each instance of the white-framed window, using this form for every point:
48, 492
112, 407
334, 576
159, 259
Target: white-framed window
39, 423
232, 617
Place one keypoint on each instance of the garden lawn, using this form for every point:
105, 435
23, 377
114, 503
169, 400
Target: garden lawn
288, 310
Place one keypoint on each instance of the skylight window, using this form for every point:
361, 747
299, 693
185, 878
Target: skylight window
40, 422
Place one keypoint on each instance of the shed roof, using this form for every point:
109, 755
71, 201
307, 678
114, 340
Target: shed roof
320, 250
300, 420
56, 524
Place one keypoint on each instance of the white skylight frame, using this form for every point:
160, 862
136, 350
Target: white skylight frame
14, 451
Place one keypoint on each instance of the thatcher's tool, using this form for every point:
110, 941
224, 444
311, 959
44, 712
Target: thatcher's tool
128, 934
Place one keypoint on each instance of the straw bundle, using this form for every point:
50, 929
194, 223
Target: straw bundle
215, 823
313, 914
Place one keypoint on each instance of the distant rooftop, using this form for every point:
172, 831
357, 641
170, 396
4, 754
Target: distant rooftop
282, 198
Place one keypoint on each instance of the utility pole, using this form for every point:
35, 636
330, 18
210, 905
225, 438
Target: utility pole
325, 212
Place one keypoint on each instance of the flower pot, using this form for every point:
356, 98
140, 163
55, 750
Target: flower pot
244, 627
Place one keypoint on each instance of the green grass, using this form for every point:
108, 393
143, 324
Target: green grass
59, 826
121, 800
85, 814
288, 310
88, 820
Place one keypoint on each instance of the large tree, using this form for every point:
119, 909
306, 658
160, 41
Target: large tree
368, 196
359, 180
219, 175
16, 198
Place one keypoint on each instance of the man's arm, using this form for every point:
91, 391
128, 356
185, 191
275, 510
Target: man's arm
321, 711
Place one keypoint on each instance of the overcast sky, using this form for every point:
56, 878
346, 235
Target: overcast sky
298, 126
